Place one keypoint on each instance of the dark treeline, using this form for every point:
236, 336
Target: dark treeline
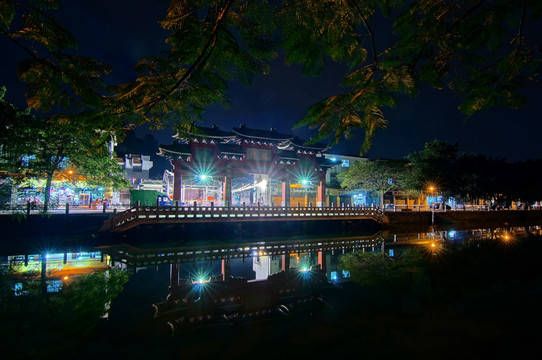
470, 177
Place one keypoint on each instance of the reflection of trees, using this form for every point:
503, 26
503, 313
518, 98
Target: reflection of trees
381, 271
39, 325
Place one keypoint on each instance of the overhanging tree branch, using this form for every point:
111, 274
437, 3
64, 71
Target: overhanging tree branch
201, 59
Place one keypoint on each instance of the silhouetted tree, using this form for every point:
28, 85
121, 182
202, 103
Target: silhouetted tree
482, 51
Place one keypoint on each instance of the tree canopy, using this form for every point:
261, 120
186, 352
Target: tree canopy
484, 52
377, 175
33, 146
468, 177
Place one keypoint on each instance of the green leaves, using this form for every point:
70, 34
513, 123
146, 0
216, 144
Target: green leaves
41, 28
483, 51
377, 175
7, 13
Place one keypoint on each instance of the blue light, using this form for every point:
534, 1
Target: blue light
333, 159
452, 234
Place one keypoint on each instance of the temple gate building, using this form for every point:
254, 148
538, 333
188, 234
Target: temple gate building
246, 166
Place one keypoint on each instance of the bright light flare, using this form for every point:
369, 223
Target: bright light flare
262, 184
434, 248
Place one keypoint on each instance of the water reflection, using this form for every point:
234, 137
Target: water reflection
248, 260
237, 301
279, 284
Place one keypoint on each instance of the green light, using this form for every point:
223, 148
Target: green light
304, 182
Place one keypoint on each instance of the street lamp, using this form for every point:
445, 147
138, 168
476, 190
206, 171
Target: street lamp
432, 189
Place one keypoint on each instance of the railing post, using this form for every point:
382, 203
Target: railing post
244, 209
103, 208
67, 208
195, 210
212, 208
176, 209
28, 208
258, 209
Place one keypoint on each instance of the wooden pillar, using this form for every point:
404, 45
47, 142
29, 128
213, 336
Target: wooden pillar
285, 262
226, 194
321, 193
173, 281
44, 273
225, 269
173, 275
322, 260
286, 193
177, 181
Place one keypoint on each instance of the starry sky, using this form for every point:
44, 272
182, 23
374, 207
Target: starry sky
120, 32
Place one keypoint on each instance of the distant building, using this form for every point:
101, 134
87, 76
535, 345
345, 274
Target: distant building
337, 196
341, 163
137, 167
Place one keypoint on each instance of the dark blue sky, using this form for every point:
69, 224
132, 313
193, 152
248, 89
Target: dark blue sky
119, 32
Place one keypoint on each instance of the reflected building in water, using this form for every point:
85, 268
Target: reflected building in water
243, 267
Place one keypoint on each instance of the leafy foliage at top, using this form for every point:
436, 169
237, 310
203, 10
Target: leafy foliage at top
485, 52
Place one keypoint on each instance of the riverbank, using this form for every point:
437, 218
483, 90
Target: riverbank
406, 218
25, 231
22, 227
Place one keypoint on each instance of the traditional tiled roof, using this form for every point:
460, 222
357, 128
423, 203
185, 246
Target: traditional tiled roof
287, 157
201, 132
232, 149
257, 134
229, 143
298, 143
231, 152
175, 150
287, 154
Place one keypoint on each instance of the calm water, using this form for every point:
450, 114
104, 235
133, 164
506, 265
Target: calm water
180, 301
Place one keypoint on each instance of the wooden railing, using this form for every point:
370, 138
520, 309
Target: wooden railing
190, 214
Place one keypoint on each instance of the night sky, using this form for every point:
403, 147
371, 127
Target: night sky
120, 32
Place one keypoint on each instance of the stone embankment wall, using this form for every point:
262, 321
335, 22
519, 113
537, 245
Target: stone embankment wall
36, 226
461, 217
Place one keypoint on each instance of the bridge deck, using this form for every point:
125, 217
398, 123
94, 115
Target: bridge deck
200, 214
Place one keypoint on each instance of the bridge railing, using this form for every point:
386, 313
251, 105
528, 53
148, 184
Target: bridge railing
198, 213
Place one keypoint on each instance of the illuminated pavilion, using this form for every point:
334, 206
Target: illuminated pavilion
260, 164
